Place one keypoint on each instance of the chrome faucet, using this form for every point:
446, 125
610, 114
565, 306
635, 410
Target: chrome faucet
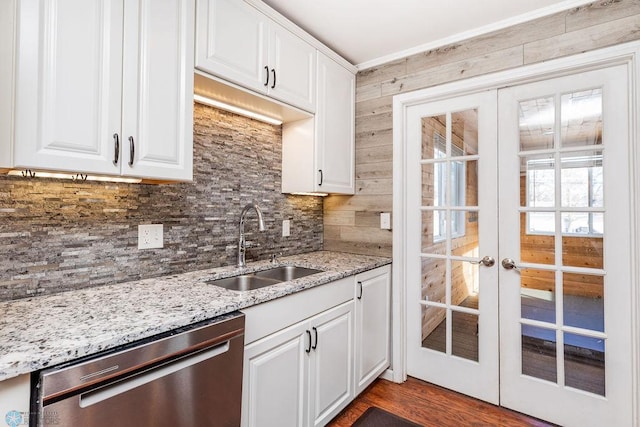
242, 249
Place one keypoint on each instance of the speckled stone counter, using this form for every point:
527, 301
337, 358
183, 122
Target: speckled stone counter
45, 331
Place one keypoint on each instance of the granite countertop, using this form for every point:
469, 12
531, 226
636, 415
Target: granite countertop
44, 331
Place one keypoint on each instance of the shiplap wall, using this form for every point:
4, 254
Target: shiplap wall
351, 223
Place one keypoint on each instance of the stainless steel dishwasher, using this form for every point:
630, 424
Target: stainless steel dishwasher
188, 377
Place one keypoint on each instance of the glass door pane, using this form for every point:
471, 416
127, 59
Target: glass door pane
450, 287
562, 194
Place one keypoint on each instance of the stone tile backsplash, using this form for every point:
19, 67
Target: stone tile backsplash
57, 235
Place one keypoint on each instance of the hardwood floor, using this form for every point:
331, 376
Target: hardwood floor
431, 406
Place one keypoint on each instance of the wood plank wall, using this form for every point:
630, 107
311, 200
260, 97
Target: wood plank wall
351, 223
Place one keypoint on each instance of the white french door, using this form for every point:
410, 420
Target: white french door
452, 218
517, 245
565, 310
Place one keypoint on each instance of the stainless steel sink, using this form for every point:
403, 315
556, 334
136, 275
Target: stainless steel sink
287, 272
260, 279
246, 282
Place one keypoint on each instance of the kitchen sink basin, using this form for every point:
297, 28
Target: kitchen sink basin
260, 279
246, 282
287, 272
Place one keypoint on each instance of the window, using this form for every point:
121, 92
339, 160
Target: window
458, 175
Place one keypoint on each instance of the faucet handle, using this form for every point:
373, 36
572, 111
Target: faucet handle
275, 256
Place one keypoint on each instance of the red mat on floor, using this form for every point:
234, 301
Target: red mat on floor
376, 417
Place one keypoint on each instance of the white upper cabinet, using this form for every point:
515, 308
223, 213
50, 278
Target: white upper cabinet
293, 69
68, 85
105, 87
157, 109
238, 43
318, 154
335, 128
231, 42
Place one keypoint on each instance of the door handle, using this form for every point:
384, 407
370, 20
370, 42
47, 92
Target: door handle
360, 289
487, 261
308, 349
132, 150
273, 70
509, 264
266, 83
116, 150
315, 331
321, 177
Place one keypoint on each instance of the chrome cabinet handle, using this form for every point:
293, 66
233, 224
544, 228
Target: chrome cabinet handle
266, 83
509, 264
116, 149
132, 150
315, 344
273, 70
360, 289
487, 261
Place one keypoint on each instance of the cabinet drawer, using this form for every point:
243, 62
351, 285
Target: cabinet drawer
266, 318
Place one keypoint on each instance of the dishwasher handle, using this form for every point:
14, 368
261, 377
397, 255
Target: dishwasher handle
122, 386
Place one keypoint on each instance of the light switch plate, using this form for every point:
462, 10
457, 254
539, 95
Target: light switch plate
286, 228
150, 236
385, 220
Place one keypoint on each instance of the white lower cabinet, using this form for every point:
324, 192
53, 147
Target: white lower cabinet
275, 375
307, 355
14, 397
301, 375
372, 314
331, 363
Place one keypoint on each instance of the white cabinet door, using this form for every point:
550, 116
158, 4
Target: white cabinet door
318, 154
231, 42
275, 379
293, 69
372, 325
335, 132
157, 112
68, 85
331, 376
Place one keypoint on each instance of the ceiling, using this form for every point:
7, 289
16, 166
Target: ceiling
371, 32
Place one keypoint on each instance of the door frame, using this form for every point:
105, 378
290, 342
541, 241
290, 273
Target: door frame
627, 54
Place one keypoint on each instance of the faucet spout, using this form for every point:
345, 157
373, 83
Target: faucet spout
242, 249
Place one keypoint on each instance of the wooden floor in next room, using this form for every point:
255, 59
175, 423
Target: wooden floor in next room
431, 406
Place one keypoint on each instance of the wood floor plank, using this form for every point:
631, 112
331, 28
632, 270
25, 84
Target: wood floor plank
431, 406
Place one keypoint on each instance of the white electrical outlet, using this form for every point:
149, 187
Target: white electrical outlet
150, 236
286, 228
385, 220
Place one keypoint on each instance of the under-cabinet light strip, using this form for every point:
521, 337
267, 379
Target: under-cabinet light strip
233, 109
73, 176
310, 194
